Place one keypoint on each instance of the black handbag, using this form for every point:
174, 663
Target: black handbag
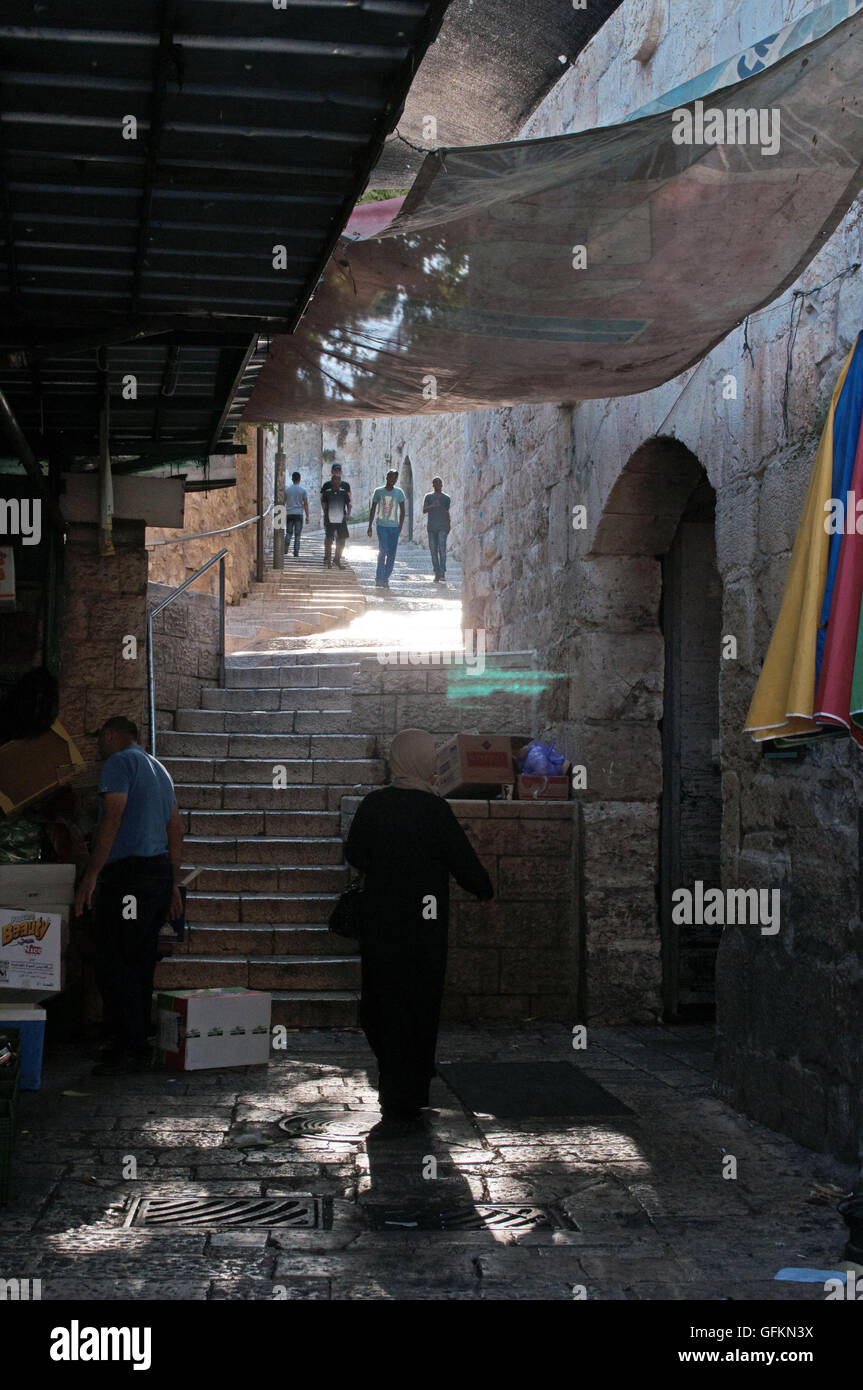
348, 916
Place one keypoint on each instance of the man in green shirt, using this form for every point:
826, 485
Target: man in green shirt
385, 501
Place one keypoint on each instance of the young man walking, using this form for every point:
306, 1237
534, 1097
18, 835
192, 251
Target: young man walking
132, 882
437, 507
385, 500
336, 504
296, 503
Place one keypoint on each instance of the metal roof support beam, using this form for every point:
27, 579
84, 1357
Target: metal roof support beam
18, 440
166, 61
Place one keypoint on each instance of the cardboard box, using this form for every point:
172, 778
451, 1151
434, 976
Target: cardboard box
31, 767
477, 765
38, 897
541, 787
201, 1028
31, 1024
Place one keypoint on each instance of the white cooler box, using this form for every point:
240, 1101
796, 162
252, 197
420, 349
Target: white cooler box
213, 1028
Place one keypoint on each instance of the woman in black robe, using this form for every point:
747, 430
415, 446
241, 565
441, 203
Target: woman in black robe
406, 840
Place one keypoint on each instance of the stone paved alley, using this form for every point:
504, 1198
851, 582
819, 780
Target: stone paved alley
643, 1210
637, 1208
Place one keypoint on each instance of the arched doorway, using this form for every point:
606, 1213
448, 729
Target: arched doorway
691, 818
406, 483
645, 692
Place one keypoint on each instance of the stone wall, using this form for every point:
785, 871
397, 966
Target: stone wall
385, 699
185, 650
518, 957
173, 563
790, 1040
105, 603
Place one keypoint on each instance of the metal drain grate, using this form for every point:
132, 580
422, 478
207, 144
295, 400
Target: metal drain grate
484, 1216
306, 1213
334, 1126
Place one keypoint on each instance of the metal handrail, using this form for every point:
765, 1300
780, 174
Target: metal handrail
223, 530
158, 608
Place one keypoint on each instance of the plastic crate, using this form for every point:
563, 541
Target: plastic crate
7, 1136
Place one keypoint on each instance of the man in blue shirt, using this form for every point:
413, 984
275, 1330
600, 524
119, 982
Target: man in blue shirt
296, 503
386, 501
132, 883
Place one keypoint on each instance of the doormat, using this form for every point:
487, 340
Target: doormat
526, 1090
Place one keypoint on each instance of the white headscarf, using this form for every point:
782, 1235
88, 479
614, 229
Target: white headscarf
412, 760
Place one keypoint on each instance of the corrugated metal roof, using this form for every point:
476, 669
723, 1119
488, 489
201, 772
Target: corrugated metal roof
152, 156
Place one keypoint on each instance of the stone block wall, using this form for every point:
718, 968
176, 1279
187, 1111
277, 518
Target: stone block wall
385, 699
518, 957
105, 602
173, 563
185, 650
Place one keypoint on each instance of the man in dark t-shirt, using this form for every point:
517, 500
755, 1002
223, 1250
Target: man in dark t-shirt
336, 505
436, 507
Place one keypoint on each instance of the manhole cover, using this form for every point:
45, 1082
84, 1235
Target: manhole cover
309, 1213
336, 1126
484, 1216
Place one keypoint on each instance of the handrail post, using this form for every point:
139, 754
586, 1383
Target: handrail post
222, 623
151, 682
151, 677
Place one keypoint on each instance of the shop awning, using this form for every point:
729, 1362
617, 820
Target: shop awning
173, 177
591, 265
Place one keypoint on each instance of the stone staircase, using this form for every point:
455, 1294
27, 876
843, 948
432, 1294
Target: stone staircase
301, 599
270, 855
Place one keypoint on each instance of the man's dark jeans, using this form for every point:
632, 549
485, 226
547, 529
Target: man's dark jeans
293, 527
130, 906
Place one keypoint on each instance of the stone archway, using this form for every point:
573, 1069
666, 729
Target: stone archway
406, 483
622, 724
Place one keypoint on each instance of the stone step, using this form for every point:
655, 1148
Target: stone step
275, 745
206, 721
312, 698
316, 1009
242, 796
330, 972
262, 849
269, 824
270, 878
324, 772
265, 939
331, 676
275, 908
298, 658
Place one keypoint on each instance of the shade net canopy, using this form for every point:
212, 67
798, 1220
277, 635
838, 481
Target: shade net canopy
479, 293
491, 65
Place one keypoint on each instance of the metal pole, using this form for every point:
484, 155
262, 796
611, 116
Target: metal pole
260, 504
151, 682
222, 622
15, 434
279, 501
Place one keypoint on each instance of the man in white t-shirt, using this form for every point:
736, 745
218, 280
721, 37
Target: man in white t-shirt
385, 501
296, 504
